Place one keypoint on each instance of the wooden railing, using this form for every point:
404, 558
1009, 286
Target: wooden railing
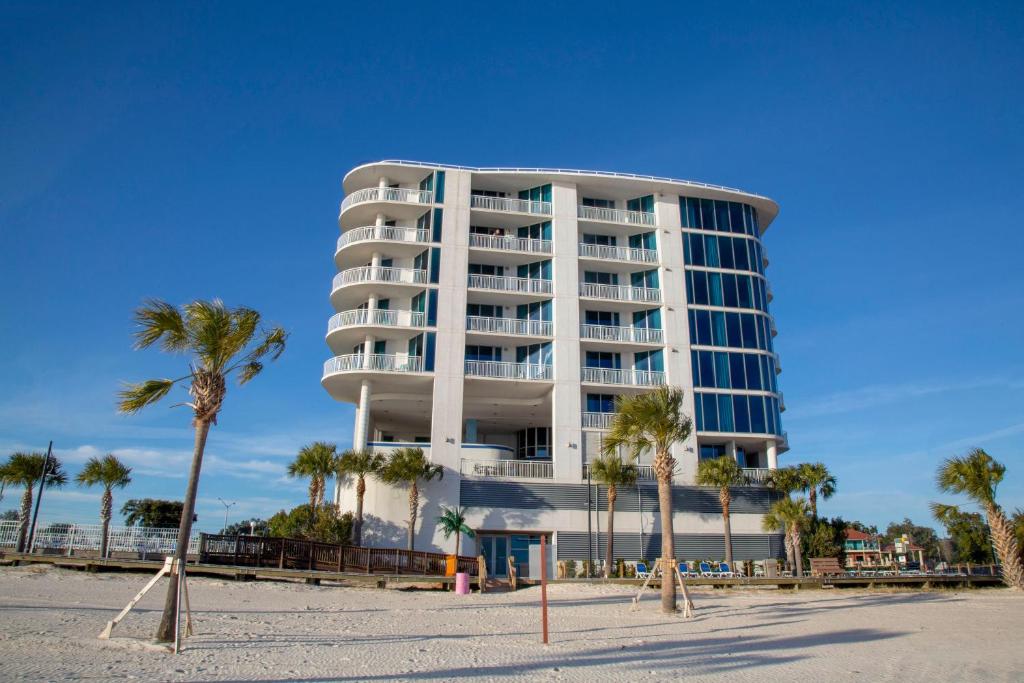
290, 553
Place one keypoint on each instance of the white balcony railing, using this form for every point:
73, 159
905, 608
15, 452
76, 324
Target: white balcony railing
510, 284
639, 378
756, 475
374, 362
507, 469
620, 292
764, 256
408, 276
636, 335
387, 194
595, 213
597, 420
645, 472
782, 402
511, 326
377, 316
604, 251
478, 201
502, 370
778, 363
509, 243
382, 233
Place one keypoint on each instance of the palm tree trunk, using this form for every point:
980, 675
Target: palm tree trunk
458, 535
312, 501
414, 504
812, 498
788, 542
797, 554
106, 505
165, 631
1005, 541
357, 524
727, 523
663, 469
25, 515
610, 553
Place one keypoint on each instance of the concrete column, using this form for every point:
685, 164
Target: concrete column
566, 432
675, 322
730, 449
384, 182
368, 349
380, 220
362, 417
773, 455
375, 259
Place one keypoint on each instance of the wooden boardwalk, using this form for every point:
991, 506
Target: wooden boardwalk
392, 580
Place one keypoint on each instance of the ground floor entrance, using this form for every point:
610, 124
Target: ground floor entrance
498, 547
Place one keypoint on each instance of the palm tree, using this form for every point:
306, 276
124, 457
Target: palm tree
785, 480
977, 475
815, 480
610, 471
406, 467
110, 472
359, 464
653, 421
453, 521
218, 341
318, 461
790, 515
25, 469
723, 473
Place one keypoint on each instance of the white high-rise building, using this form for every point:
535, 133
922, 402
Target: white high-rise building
491, 316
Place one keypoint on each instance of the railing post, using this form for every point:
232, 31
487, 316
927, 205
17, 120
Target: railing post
280, 560
202, 547
341, 558
71, 539
367, 553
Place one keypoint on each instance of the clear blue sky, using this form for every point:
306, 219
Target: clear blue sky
197, 151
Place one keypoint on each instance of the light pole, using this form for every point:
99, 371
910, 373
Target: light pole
227, 507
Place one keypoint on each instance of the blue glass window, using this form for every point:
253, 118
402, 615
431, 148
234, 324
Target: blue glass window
600, 403
602, 359
711, 256
710, 412
741, 414
736, 216
722, 370
719, 325
749, 330
757, 422
715, 288
740, 253
725, 252
649, 361
753, 371
700, 287
703, 327
725, 421
732, 324
707, 369
607, 318
736, 371
729, 290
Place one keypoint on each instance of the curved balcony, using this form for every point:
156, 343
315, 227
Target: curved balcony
507, 469
757, 476
508, 243
595, 213
387, 194
492, 369
620, 292
382, 274
633, 378
374, 362
512, 327
518, 285
627, 335
509, 205
382, 233
606, 252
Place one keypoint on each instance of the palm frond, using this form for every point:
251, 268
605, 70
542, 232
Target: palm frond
249, 370
359, 463
975, 475
722, 472
135, 397
610, 470
943, 513
158, 320
108, 471
407, 465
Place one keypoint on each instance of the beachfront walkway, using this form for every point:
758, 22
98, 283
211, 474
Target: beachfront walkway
49, 619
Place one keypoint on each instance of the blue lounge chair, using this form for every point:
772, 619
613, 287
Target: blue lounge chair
705, 570
726, 571
684, 569
642, 572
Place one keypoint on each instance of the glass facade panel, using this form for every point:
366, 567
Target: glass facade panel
740, 414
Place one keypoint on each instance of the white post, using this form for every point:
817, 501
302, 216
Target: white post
730, 449
773, 455
362, 417
71, 539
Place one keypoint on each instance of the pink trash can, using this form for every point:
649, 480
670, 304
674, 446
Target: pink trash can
462, 583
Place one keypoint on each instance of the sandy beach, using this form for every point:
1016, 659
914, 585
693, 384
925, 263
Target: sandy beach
265, 631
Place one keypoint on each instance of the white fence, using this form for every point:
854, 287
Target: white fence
507, 469
66, 539
382, 233
509, 243
619, 292
513, 326
604, 251
387, 194
639, 335
597, 213
510, 284
487, 203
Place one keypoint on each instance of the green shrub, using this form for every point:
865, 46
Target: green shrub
328, 527
570, 569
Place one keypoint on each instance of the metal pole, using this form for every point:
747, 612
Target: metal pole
42, 483
227, 507
590, 533
544, 587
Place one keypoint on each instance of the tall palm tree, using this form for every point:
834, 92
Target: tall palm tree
785, 480
109, 472
610, 471
654, 421
977, 475
453, 521
815, 480
318, 461
407, 467
723, 473
24, 470
218, 341
359, 464
790, 515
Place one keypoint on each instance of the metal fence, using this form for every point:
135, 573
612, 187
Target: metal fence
62, 538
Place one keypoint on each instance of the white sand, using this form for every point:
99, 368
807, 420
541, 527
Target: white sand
49, 619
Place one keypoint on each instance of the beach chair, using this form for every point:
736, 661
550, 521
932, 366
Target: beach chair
726, 571
684, 569
759, 571
642, 572
706, 571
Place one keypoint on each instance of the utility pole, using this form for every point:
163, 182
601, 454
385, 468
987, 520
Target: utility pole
31, 539
227, 507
